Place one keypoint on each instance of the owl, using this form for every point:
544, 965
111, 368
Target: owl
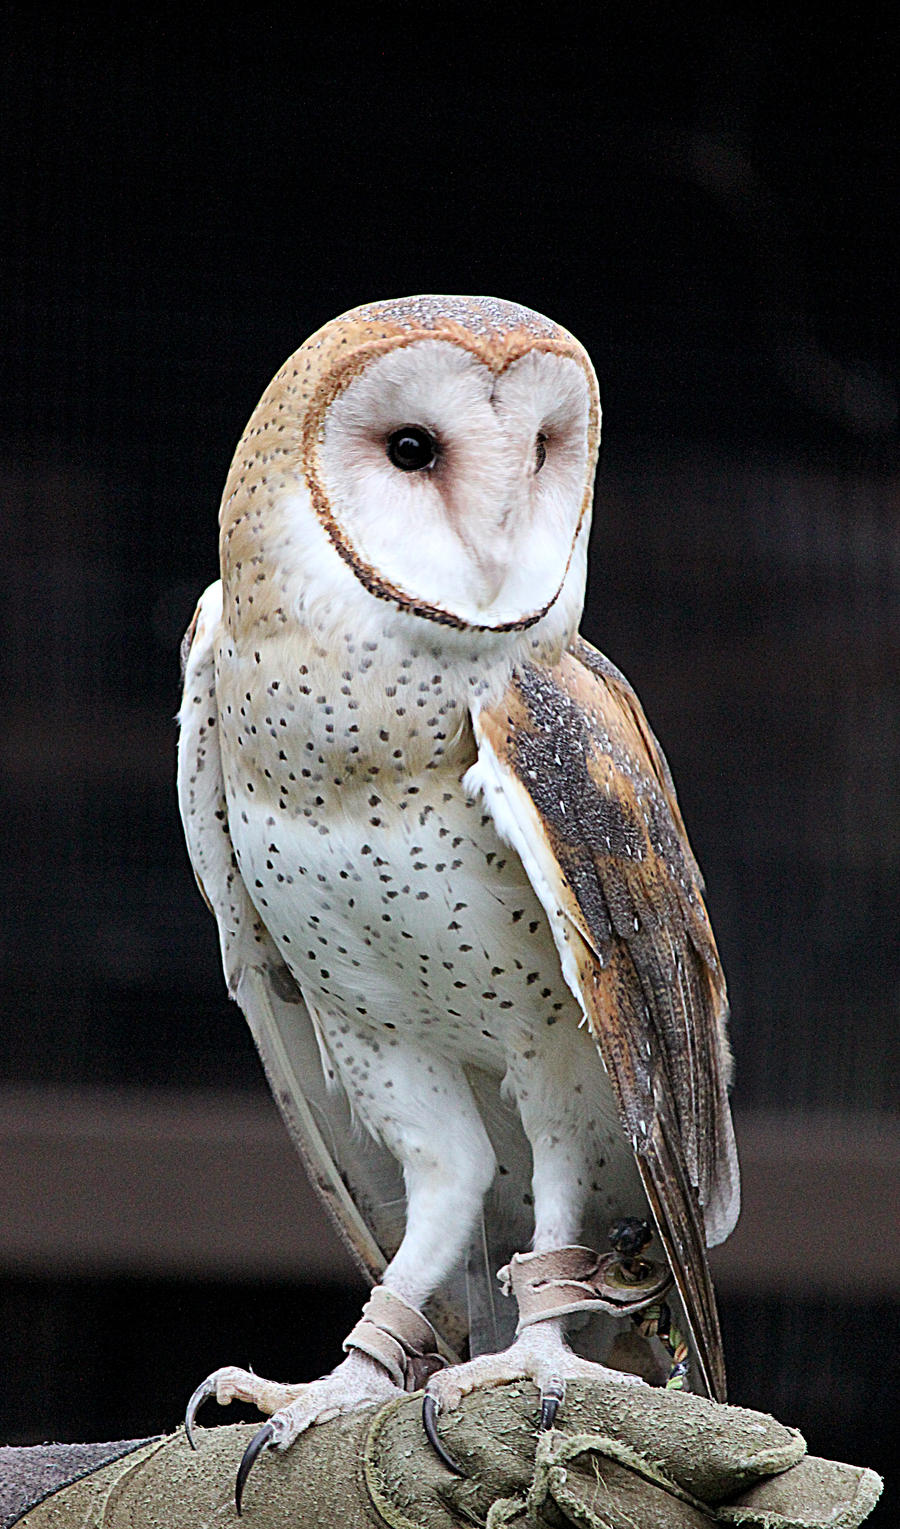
454, 894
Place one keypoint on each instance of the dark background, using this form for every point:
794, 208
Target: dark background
708, 204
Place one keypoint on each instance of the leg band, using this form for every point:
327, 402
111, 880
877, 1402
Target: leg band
573, 1279
397, 1337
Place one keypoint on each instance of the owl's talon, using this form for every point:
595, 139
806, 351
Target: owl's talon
429, 1423
205, 1389
551, 1398
261, 1440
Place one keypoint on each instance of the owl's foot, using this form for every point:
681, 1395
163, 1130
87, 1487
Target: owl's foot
540, 1354
392, 1348
231, 1384
354, 1383
357, 1382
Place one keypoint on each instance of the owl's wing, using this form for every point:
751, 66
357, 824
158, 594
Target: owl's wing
578, 785
358, 1181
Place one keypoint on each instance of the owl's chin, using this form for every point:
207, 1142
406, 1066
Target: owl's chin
523, 599
461, 615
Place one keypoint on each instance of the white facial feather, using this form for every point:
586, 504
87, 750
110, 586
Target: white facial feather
481, 534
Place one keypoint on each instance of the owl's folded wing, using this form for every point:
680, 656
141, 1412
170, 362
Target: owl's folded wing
577, 784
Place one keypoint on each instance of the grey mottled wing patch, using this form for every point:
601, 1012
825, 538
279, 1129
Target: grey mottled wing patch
591, 795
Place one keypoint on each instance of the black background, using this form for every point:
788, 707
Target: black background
708, 203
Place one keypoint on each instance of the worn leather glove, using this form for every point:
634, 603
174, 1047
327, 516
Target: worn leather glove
623, 1456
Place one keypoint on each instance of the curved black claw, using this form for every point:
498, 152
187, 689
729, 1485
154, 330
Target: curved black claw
261, 1440
550, 1403
202, 1392
429, 1423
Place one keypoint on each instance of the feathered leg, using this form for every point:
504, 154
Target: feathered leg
548, 1079
404, 1098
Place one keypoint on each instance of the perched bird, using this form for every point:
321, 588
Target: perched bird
454, 893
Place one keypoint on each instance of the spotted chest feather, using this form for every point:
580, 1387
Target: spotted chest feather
387, 888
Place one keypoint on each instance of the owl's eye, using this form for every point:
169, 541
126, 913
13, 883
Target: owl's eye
540, 451
411, 448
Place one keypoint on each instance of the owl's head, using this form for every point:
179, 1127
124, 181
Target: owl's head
438, 451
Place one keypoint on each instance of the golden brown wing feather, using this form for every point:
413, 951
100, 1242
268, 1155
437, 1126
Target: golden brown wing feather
604, 841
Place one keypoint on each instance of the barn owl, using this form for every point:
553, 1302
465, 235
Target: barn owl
454, 894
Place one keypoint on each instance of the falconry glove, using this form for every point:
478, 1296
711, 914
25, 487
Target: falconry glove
627, 1456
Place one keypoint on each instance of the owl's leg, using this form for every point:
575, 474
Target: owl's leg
422, 1108
437, 1135
555, 1100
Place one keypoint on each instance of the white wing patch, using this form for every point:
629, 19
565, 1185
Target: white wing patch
518, 826
258, 979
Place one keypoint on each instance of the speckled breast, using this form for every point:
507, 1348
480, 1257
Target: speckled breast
388, 891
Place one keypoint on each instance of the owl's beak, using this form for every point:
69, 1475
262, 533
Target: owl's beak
492, 573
